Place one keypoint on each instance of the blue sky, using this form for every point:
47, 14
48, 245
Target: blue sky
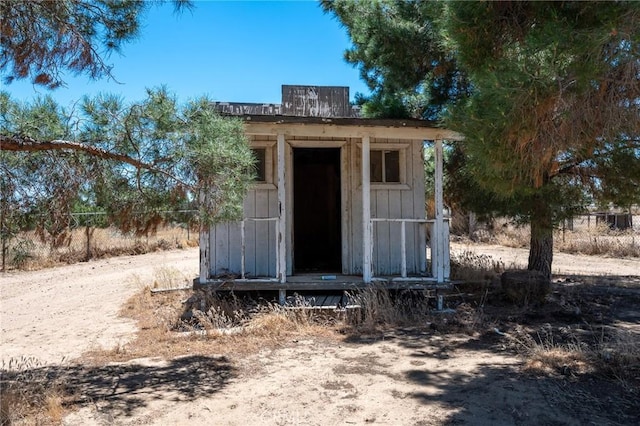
239, 51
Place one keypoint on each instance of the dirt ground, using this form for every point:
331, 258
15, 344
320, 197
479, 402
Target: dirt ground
407, 376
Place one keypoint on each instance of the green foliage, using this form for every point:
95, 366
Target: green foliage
397, 47
41, 40
556, 90
192, 157
547, 95
220, 158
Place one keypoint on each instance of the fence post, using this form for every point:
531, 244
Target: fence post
88, 236
4, 234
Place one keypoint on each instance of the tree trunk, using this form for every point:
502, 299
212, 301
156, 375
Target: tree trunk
541, 248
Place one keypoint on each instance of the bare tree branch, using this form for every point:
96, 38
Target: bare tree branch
27, 144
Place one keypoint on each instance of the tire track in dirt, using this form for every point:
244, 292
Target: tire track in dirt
61, 312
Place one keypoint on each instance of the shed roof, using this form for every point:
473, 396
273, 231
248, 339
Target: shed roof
346, 127
326, 111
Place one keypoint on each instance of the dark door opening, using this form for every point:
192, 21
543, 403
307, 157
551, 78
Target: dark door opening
317, 233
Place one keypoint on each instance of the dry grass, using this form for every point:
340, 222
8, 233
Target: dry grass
475, 268
28, 252
191, 322
29, 395
611, 353
588, 240
381, 311
379, 308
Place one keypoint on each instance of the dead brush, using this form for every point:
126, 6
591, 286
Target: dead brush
274, 320
167, 277
471, 267
612, 353
378, 308
617, 354
510, 235
30, 393
224, 314
545, 353
210, 311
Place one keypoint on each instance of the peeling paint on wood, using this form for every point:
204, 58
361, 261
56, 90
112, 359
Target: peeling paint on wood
316, 101
240, 108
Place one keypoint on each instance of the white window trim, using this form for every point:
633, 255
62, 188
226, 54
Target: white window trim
402, 148
268, 146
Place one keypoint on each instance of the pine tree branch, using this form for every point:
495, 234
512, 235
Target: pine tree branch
18, 143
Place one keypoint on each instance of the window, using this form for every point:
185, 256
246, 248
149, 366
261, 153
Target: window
263, 154
260, 155
385, 166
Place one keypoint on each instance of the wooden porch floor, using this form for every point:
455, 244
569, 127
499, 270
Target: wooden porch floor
329, 282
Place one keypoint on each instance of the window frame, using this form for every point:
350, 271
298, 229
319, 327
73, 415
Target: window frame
268, 146
402, 166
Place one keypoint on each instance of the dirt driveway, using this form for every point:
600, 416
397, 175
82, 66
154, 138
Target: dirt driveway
403, 377
61, 312
563, 263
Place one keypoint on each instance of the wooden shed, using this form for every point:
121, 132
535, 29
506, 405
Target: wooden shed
339, 200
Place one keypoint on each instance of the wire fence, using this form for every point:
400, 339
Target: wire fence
610, 230
88, 236
603, 221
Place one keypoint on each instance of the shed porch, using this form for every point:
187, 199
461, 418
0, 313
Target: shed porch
336, 195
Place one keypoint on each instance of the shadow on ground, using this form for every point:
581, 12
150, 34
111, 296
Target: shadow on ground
497, 390
120, 389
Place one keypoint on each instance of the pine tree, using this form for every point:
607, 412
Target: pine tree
547, 95
131, 161
42, 39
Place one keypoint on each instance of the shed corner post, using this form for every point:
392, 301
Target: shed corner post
205, 247
281, 247
367, 230
440, 253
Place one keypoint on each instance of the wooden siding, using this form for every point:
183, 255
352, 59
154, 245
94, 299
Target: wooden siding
393, 201
390, 201
260, 244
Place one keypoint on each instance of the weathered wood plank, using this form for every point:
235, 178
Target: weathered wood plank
266, 285
438, 255
282, 210
421, 246
382, 240
316, 101
205, 253
288, 127
262, 244
416, 260
366, 213
356, 207
235, 245
249, 233
345, 205
289, 210
271, 243
395, 211
221, 261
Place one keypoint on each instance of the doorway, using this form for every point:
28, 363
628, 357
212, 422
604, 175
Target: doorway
317, 234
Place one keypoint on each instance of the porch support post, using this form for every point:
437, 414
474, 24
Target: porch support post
242, 249
367, 230
205, 248
281, 252
439, 244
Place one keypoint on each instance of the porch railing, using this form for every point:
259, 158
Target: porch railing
403, 240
